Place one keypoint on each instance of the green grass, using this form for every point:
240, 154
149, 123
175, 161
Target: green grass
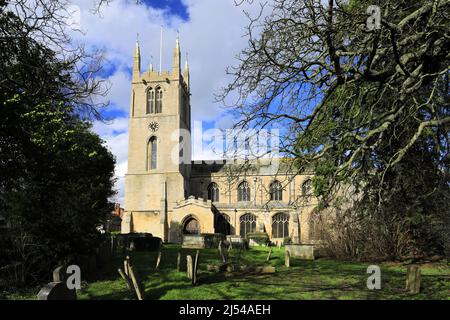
319, 279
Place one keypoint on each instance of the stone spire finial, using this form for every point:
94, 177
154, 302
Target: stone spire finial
176, 58
137, 61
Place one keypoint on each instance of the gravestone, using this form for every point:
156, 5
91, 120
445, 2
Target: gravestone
413, 279
195, 268
136, 283
189, 266
221, 252
301, 251
269, 255
287, 258
56, 291
60, 274
158, 260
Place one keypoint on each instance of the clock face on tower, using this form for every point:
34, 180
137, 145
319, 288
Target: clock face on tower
153, 126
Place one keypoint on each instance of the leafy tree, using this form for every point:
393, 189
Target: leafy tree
56, 176
366, 104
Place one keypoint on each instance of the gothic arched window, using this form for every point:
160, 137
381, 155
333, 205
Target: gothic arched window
159, 97
213, 192
150, 101
152, 152
243, 191
280, 225
307, 187
247, 224
316, 227
276, 191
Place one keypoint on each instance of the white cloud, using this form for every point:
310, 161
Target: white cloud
213, 36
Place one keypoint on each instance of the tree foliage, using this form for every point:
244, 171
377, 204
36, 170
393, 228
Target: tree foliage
56, 176
366, 105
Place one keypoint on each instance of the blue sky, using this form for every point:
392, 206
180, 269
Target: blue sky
172, 7
210, 31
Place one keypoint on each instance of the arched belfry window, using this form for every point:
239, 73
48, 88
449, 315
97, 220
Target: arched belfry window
276, 191
307, 188
213, 192
280, 225
150, 100
247, 224
152, 150
243, 191
159, 98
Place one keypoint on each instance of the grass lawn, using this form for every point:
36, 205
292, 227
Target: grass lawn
319, 279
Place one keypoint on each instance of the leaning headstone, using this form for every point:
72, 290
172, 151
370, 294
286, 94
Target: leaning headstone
158, 260
265, 269
126, 265
128, 281
189, 266
413, 279
287, 259
178, 261
57, 291
59, 274
136, 283
195, 268
221, 252
269, 255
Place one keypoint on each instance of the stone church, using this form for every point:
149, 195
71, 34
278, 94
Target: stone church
170, 198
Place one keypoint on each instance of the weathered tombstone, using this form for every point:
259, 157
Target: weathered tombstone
126, 265
178, 261
269, 255
301, 251
136, 283
128, 281
57, 291
279, 244
195, 268
189, 266
287, 259
221, 252
413, 279
60, 274
265, 269
158, 260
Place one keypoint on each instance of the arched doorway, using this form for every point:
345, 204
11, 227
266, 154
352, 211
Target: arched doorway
191, 226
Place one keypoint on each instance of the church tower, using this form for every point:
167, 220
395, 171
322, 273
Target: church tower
160, 117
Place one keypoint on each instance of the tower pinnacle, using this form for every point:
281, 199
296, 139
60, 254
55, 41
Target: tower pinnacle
136, 62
